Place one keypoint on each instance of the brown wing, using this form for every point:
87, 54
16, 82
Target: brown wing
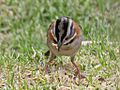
50, 35
77, 29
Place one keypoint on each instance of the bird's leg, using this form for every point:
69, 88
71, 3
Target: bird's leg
77, 68
50, 59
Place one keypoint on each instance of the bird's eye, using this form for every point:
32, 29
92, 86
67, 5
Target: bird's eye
69, 42
55, 41
66, 38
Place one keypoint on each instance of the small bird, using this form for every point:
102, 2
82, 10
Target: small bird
64, 38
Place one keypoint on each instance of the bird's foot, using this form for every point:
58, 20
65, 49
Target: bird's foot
81, 76
46, 69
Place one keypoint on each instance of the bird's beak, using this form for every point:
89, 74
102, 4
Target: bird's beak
59, 45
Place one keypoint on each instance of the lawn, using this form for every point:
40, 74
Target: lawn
23, 29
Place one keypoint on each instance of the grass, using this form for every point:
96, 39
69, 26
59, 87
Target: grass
23, 29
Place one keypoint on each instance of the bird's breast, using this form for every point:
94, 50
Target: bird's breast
66, 50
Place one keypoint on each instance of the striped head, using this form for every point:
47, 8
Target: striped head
64, 32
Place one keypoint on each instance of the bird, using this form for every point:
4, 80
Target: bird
64, 38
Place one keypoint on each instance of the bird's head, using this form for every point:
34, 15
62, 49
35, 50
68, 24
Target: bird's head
63, 30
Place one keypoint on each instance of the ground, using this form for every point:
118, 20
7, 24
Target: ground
23, 30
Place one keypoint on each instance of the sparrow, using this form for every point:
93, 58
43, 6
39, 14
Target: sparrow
64, 38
